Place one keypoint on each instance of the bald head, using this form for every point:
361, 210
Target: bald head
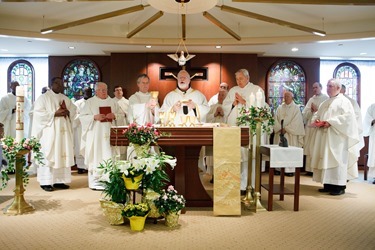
224, 86
288, 97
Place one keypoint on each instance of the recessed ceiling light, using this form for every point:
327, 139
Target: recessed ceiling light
294, 49
148, 46
218, 46
72, 47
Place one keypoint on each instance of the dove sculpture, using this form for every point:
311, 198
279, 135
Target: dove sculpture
181, 59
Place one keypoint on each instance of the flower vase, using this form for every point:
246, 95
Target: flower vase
112, 211
141, 150
171, 219
137, 223
129, 184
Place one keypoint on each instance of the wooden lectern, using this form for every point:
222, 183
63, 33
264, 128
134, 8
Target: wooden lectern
185, 144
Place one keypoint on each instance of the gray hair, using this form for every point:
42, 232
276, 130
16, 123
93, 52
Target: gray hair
100, 83
336, 82
244, 72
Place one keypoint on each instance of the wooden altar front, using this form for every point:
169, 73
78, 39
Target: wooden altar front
185, 144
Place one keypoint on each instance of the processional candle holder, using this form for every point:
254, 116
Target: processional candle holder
19, 205
252, 198
257, 206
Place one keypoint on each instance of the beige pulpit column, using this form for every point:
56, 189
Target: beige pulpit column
227, 170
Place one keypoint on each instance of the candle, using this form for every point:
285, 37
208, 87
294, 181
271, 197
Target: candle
20, 91
252, 99
19, 112
259, 98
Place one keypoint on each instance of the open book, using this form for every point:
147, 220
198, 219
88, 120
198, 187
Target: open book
105, 110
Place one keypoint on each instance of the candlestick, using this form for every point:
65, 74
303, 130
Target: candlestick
19, 112
252, 99
259, 98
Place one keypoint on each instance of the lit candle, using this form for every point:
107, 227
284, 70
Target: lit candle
252, 99
19, 112
259, 98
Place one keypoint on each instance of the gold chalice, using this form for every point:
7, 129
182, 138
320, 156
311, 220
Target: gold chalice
161, 117
154, 94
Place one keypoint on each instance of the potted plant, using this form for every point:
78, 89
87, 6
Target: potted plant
253, 115
136, 213
170, 204
141, 137
116, 195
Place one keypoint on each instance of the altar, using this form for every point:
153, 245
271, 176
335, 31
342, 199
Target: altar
185, 144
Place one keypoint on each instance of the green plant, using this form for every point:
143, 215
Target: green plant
137, 209
251, 116
10, 150
156, 177
169, 201
114, 186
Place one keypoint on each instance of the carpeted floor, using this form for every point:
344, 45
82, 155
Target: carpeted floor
72, 219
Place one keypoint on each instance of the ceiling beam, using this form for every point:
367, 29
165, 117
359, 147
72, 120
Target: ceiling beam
221, 25
183, 21
145, 24
317, 2
93, 19
271, 20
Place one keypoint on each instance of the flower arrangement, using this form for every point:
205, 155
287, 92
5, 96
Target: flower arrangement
152, 166
251, 116
137, 209
114, 186
169, 201
142, 135
11, 148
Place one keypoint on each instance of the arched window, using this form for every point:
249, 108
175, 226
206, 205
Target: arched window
350, 76
285, 76
22, 71
77, 75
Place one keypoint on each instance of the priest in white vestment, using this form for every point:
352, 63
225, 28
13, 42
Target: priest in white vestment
358, 117
238, 97
8, 112
53, 115
143, 108
185, 101
369, 130
307, 113
335, 152
214, 99
121, 117
97, 117
80, 161
293, 128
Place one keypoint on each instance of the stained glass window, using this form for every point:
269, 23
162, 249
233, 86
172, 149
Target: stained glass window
77, 75
285, 76
349, 75
22, 71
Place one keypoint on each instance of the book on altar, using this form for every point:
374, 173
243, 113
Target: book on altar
105, 110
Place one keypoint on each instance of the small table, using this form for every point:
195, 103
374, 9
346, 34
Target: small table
282, 157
